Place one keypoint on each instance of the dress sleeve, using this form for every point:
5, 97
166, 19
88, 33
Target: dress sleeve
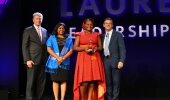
98, 33
49, 42
71, 45
77, 34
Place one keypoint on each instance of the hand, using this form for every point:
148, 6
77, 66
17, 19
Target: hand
30, 63
86, 50
120, 65
95, 49
60, 60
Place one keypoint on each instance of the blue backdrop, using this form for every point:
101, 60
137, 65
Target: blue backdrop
144, 24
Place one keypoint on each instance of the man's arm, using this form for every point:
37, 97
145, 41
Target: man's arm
122, 49
25, 46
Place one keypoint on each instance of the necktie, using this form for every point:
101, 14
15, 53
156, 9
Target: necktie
106, 45
39, 33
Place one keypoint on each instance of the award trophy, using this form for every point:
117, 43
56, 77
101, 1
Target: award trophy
90, 46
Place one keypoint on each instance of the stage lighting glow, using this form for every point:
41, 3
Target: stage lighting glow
3, 2
135, 31
2, 5
115, 8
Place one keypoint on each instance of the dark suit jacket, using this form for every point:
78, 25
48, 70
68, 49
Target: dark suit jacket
116, 48
32, 48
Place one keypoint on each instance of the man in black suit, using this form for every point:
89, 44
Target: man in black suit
34, 54
114, 56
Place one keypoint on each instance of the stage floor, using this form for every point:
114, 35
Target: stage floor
121, 98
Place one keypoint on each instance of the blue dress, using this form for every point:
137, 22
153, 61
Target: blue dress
62, 74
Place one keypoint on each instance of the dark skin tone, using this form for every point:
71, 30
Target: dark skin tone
88, 30
86, 88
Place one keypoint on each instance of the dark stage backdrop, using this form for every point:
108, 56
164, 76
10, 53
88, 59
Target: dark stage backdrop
144, 24
9, 50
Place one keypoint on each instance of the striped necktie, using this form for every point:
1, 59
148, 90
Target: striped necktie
39, 33
106, 45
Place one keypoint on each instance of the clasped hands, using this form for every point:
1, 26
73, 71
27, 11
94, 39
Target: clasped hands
60, 60
90, 50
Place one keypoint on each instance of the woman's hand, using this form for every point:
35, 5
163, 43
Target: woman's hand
89, 50
60, 60
94, 49
86, 50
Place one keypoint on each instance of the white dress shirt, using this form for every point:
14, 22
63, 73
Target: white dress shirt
107, 37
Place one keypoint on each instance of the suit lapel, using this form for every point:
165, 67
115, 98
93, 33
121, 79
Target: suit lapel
36, 34
103, 38
112, 38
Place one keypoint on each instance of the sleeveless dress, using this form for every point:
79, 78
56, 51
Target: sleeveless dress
89, 67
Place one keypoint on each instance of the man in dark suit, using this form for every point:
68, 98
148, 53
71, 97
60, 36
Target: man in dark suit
114, 56
34, 54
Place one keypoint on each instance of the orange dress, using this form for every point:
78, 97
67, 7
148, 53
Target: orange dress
89, 68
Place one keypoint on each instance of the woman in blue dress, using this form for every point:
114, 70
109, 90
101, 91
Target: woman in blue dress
60, 48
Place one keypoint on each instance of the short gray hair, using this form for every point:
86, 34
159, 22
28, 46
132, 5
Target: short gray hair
38, 14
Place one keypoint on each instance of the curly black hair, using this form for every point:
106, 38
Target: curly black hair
91, 19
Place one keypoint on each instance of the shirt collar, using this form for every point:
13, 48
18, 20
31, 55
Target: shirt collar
110, 32
37, 26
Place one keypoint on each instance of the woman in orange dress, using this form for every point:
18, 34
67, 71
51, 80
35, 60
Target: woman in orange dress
89, 78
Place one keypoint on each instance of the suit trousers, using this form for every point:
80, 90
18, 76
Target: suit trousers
112, 74
36, 78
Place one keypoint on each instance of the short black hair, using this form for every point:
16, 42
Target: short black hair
91, 19
108, 18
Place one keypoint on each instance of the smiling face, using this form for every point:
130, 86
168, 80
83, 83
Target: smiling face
108, 25
61, 30
88, 25
37, 20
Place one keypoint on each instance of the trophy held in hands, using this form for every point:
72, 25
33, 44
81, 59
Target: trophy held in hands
90, 46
